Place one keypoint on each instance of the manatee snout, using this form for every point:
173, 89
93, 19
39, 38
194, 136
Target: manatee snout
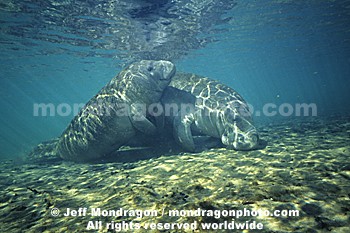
160, 70
167, 68
247, 141
160, 74
240, 140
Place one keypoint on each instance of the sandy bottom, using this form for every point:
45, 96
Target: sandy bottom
303, 171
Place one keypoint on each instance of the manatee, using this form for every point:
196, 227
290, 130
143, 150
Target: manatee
207, 107
116, 113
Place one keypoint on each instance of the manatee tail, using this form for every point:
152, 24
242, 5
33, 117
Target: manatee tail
44, 152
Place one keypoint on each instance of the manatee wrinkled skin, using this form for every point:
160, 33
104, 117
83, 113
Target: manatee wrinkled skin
112, 117
217, 111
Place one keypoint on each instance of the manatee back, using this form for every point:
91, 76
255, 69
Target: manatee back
220, 111
211, 94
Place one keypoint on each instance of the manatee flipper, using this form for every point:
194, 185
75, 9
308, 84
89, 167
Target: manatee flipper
206, 142
181, 117
140, 122
160, 121
182, 132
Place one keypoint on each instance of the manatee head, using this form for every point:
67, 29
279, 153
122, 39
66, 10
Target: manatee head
147, 80
239, 132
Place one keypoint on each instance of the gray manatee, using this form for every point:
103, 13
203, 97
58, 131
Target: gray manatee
114, 115
207, 107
